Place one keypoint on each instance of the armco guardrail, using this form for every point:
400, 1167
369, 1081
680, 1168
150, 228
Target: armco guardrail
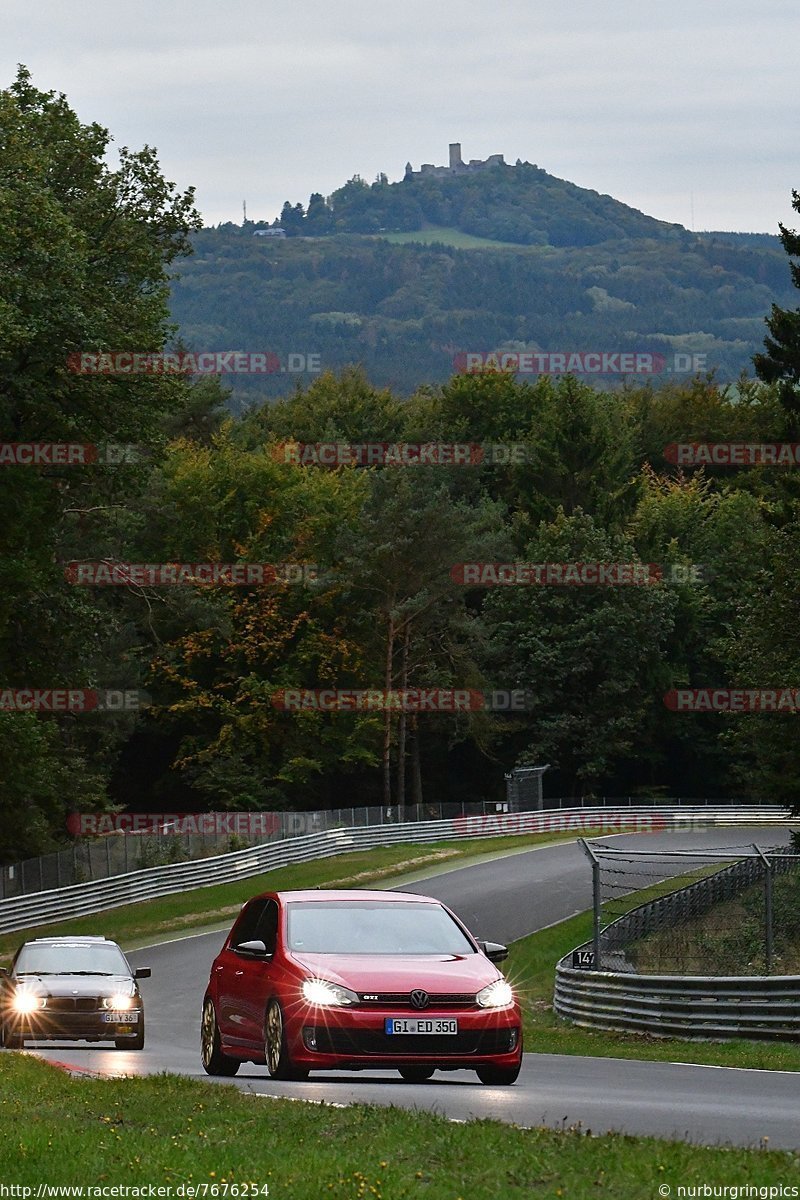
84, 899
104, 849
699, 1006
681, 1005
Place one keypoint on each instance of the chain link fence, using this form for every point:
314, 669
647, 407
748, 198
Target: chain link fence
731, 910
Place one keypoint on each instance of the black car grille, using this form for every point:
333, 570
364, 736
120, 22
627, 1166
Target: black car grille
437, 1000
359, 1042
73, 1004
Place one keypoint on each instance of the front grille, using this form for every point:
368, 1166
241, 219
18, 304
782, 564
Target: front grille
403, 1000
73, 1004
360, 1042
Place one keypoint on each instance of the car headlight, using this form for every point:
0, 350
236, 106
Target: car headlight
496, 995
327, 995
119, 1003
25, 1001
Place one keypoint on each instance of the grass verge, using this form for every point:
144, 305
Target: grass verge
166, 1130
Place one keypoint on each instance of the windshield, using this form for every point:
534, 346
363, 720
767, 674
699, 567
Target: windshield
370, 927
100, 959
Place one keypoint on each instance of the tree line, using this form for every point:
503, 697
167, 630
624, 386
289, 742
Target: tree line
86, 253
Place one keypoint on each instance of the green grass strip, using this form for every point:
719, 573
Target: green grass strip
165, 1130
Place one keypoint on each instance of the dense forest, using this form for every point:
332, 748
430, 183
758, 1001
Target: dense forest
85, 258
406, 312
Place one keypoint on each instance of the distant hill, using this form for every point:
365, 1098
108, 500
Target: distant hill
403, 277
521, 204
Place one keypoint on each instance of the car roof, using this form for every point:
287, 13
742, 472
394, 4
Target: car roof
333, 894
78, 939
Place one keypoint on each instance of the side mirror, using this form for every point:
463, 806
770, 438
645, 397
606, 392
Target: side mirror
142, 973
253, 949
494, 951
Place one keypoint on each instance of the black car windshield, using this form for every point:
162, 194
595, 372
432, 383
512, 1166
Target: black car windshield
370, 927
69, 959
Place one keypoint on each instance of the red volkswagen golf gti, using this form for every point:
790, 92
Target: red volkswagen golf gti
322, 981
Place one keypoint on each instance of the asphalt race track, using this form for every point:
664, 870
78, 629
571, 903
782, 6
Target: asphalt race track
499, 900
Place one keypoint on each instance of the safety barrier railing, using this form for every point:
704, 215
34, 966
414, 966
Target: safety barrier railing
83, 899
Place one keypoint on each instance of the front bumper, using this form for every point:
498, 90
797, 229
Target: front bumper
324, 1039
43, 1025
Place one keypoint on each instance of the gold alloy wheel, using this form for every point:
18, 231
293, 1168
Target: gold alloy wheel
274, 1045
208, 1032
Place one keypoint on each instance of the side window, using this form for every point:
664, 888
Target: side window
247, 925
268, 926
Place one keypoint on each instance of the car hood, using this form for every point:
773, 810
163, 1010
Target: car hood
401, 972
77, 985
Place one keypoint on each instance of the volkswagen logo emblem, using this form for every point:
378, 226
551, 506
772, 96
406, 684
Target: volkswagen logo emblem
420, 999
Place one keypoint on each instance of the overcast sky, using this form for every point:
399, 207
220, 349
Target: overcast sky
686, 109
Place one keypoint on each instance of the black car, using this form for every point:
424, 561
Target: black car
75, 988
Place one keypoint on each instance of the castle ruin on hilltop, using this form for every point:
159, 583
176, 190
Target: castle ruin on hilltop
457, 165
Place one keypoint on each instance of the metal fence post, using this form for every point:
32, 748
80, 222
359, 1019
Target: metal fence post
595, 861
767, 909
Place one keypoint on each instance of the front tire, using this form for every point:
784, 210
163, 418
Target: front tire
13, 1041
214, 1061
416, 1074
499, 1076
276, 1051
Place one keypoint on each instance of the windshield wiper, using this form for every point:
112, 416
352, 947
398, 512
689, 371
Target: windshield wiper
108, 973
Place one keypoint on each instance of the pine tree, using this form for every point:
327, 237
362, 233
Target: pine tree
781, 363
